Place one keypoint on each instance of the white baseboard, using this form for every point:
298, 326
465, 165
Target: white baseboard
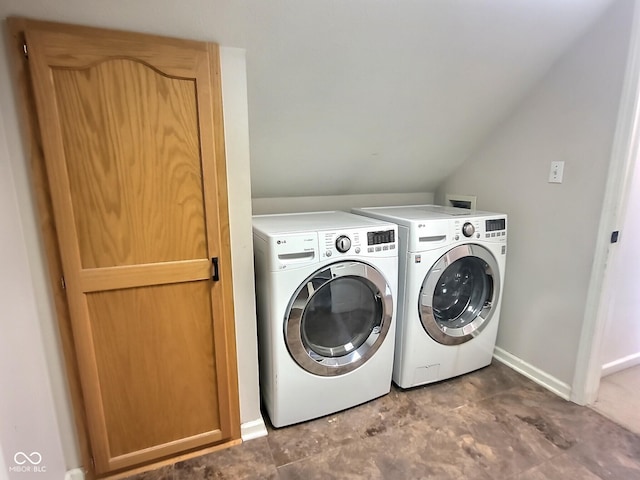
535, 374
621, 364
74, 474
254, 429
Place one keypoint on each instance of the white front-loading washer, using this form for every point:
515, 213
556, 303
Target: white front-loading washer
451, 274
326, 292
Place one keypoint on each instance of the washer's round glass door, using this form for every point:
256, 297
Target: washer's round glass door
458, 294
338, 318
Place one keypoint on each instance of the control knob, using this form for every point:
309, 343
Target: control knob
468, 229
343, 243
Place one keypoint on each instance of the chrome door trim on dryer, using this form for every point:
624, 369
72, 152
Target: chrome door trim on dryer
316, 292
457, 305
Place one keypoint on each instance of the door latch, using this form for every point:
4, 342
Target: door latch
215, 276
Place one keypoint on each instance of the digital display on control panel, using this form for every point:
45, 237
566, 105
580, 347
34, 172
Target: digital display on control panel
377, 238
496, 224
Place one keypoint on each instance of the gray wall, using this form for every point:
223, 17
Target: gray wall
236, 133
28, 418
369, 96
336, 202
31, 363
570, 116
360, 96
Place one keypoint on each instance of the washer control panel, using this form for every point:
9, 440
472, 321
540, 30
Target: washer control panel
480, 228
359, 242
434, 233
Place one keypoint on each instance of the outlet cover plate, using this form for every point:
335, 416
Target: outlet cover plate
556, 172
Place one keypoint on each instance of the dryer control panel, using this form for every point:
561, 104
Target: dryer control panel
356, 242
498, 225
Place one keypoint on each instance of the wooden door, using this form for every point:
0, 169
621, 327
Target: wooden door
131, 129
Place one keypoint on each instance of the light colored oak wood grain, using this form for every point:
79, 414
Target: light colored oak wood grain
129, 276
131, 129
134, 172
157, 343
217, 204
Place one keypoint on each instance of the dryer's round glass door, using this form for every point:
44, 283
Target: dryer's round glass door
338, 318
458, 294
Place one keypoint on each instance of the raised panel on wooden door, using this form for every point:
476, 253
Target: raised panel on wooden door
129, 142
155, 333
139, 199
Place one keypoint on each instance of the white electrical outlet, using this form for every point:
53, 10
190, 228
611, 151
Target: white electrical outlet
555, 174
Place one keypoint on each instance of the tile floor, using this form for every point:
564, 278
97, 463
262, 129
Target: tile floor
490, 424
619, 398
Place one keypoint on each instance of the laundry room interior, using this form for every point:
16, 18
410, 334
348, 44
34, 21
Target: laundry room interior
334, 106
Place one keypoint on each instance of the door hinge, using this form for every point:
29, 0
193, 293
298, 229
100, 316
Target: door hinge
62, 282
25, 52
215, 276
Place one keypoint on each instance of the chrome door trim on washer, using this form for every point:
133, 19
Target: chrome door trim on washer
327, 361
474, 316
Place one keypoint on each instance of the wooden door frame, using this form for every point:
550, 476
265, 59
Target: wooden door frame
42, 196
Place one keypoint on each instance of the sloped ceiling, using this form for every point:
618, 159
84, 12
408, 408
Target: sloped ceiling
361, 96
373, 96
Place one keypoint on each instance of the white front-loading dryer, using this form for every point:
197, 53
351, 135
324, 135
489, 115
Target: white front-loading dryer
451, 275
326, 289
